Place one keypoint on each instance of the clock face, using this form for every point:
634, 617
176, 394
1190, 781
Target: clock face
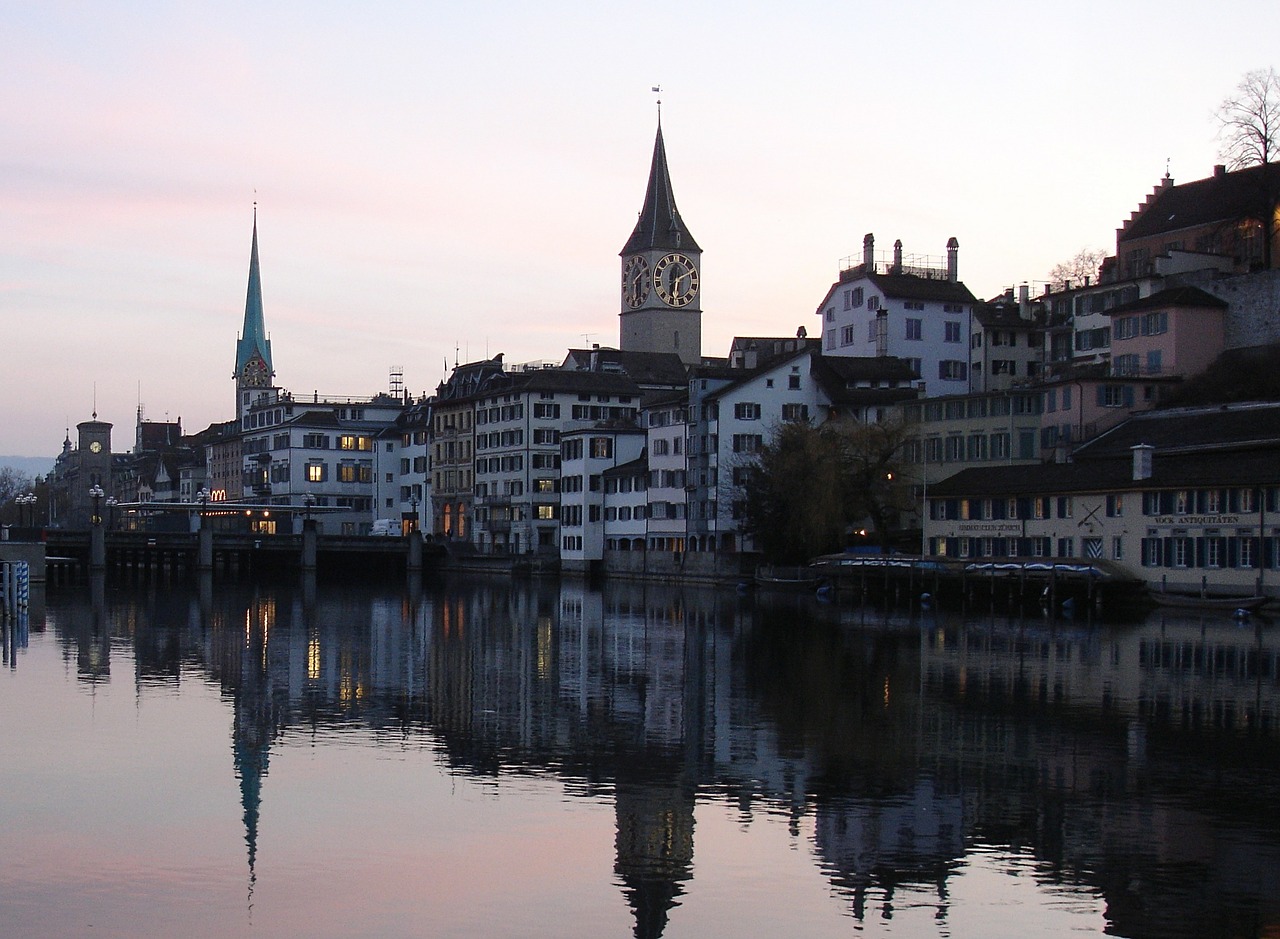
635, 282
95, 447
676, 280
255, 373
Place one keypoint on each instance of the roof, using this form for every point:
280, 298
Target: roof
1169, 471
1246, 193
253, 337
638, 466
1205, 429
659, 225
1172, 297
648, 369
849, 369
904, 287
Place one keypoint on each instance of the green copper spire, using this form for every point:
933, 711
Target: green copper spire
253, 342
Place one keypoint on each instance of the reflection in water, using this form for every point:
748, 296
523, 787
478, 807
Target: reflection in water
1134, 764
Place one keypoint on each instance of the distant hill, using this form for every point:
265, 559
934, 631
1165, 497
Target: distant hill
29, 465
1250, 374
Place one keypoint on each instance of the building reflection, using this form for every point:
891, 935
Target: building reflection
898, 743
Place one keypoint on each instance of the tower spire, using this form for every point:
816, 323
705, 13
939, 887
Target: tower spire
253, 349
660, 225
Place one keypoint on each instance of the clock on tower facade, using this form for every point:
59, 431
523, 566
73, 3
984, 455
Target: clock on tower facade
661, 274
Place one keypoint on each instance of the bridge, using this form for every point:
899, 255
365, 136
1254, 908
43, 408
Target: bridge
140, 554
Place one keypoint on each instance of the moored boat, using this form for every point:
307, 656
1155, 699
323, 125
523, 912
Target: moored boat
1195, 601
788, 578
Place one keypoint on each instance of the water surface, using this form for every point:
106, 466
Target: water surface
489, 759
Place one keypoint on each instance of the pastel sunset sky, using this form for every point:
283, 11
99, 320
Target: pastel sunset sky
437, 180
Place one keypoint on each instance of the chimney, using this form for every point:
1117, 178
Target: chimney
897, 256
953, 259
1142, 461
1024, 302
1220, 170
869, 251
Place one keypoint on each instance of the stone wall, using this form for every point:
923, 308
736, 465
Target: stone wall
1254, 316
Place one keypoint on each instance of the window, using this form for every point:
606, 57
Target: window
1126, 327
952, 332
346, 472
746, 411
953, 370
1124, 365
1153, 362
602, 448
913, 305
793, 382
747, 443
795, 412
546, 411
316, 472
316, 441
351, 442
1115, 396
846, 336
913, 328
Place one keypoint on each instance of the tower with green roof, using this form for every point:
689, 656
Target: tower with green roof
254, 370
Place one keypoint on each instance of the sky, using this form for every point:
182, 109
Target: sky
449, 181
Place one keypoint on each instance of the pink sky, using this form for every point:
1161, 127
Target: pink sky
464, 177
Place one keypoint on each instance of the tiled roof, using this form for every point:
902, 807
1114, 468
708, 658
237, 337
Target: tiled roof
665, 369
659, 225
1168, 471
1208, 429
914, 287
1246, 193
1172, 297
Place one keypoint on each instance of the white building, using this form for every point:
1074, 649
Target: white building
586, 454
914, 310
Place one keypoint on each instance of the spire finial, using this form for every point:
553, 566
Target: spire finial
657, 90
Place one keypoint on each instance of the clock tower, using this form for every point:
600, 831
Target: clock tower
254, 371
661, 274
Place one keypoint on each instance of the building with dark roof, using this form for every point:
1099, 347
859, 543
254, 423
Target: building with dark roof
1229, 213
912, 309
1182, 499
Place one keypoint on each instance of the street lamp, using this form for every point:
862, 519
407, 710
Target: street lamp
112, 502
308, 500
23, 501
203, 497
413, 514
96, 493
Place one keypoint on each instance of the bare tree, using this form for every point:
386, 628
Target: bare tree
1249, 120
1084, 266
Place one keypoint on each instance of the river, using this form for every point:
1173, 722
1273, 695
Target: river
488, 758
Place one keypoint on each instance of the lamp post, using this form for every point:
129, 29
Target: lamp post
308, 500
413, 514
203, 497
96, 493
112, 502
26, 516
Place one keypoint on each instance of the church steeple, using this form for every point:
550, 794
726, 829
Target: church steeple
659, 225
661, 261
253, 348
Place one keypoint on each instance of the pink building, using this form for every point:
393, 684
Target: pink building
1174, 333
